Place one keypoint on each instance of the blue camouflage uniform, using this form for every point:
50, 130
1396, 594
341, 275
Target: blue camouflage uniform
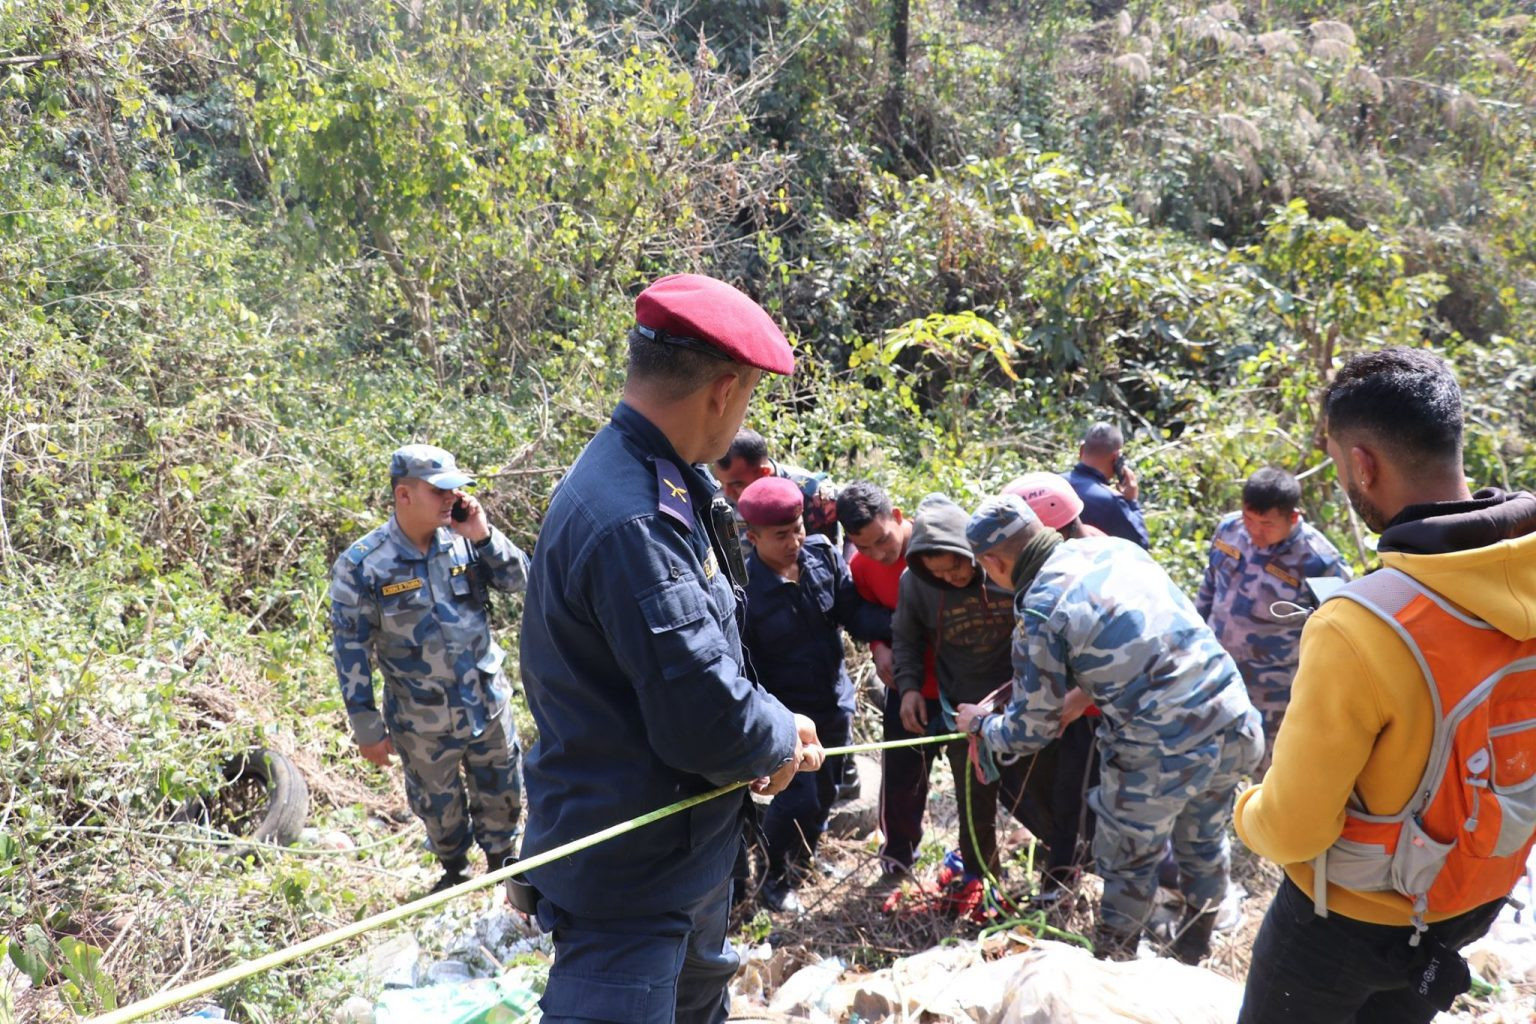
1238, 595
1177, 730
420, 619
632, 661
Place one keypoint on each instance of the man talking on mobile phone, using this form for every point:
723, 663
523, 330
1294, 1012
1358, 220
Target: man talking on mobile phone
410, 600
1108, 485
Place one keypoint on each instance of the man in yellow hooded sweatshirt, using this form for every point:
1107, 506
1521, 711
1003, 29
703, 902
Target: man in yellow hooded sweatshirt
1359, 729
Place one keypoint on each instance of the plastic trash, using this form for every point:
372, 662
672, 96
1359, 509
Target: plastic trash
512, 998
807, 988
1062, 984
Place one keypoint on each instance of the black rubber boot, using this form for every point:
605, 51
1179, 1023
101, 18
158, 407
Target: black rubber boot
1193, 941
848, 786
1113, 944
455, 870
778, 895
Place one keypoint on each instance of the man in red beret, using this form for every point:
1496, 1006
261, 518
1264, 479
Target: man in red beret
632, 660
800, 598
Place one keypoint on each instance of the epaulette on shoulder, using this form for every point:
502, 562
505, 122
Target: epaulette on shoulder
672, 493
365, 547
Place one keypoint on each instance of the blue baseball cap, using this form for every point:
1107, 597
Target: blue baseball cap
425, 462
997, 519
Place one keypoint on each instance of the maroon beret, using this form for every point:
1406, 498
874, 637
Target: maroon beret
770, 501
695, 311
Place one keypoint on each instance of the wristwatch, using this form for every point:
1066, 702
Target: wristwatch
976, 723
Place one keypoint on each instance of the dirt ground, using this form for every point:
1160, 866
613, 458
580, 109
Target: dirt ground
843, 907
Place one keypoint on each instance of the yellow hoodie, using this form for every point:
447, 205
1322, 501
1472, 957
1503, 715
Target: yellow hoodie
1361, 719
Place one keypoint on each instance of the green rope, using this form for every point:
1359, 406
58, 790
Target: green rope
239, 972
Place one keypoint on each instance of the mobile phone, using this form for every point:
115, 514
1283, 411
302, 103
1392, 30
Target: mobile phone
1119, 467
460, 511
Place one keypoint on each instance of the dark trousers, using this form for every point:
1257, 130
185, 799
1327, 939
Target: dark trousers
654, 969
1336, 970
903, 787
793, 823
1077, 771
1024, 790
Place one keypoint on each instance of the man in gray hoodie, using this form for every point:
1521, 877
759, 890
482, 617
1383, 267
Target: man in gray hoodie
946, 603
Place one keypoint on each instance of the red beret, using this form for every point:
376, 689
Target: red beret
692, 308
771, 501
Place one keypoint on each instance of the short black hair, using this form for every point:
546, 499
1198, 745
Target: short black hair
1406, 399
675, 372
749, 445
1270, 489
1103, 439
861, 503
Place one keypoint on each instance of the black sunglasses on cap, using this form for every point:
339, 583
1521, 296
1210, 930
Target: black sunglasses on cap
691, 344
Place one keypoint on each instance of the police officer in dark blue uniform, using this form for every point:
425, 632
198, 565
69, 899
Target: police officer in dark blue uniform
631, 658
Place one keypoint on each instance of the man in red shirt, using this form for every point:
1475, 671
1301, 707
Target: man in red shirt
880, 533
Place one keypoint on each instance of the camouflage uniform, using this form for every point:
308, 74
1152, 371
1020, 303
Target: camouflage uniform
1242, 583
1177, 729
421, 620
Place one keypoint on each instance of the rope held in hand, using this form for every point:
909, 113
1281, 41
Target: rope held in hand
239, 972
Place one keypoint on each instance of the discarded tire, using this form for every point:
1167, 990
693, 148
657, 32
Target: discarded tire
264, 798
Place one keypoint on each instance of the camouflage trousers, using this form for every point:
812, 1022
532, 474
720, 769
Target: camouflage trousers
1187, 796
460, 784
1270, 691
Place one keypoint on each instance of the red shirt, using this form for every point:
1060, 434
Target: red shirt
880, 584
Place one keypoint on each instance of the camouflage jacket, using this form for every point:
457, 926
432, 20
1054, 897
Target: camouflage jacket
421, 620
1101, 615
1243, 582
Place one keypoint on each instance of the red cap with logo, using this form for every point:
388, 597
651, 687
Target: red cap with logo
700, 313
770, 501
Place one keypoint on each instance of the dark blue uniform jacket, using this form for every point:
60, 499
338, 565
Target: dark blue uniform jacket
1107, 508
793, 631
631, 659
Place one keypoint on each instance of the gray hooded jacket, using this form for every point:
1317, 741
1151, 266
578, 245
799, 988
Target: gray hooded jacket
970, 628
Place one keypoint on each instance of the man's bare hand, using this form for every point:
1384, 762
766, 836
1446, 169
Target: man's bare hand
768, 785
914, 712
378, 753
1128, 488
808, 757
810, 753
476, 527
885, 664
965, 714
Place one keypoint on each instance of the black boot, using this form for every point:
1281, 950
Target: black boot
455, 870
1112, 944
778, 895
1193, 941
848, 784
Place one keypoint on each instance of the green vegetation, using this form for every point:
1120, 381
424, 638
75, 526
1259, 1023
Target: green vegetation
248, 248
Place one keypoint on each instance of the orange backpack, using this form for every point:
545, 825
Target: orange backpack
1462, 841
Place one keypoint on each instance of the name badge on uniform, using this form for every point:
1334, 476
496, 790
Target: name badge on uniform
1226, 549
459, 570
1280, 574
391, 589
710, 566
